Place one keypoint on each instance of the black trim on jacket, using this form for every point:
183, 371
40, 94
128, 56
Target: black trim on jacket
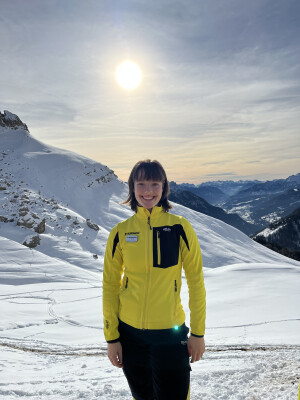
116, 241
168, 237
197, 335
113, 341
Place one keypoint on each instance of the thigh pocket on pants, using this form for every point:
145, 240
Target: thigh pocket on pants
175, 356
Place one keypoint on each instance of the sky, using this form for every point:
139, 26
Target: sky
219, 98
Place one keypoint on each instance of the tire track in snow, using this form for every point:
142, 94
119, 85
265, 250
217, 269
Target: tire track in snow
254, 324
77, 353
52, 313
8, 296
101, 351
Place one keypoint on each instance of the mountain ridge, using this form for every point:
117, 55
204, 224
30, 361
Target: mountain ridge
193, 201
68, 197
283, 235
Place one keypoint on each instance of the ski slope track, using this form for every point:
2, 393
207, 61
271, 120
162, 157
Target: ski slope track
51, 328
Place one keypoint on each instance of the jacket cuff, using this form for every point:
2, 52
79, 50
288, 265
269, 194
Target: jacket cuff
192, 334
113, 341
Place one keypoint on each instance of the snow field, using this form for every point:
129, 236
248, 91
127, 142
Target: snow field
52, 343
225, 374
51, 328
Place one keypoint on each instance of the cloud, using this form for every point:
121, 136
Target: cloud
220, 89
223, 174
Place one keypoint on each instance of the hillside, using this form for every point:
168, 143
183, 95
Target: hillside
73, 203
193, 201
57, 208
283, 235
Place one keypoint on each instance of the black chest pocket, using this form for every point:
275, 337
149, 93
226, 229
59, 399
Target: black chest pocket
166, 241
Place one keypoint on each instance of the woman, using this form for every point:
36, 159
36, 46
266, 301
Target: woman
143, 316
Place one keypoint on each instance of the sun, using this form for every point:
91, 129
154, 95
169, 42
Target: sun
129, 75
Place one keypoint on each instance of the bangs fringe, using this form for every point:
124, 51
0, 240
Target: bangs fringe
149, 171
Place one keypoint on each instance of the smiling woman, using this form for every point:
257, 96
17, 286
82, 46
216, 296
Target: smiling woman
128, 75
144, 321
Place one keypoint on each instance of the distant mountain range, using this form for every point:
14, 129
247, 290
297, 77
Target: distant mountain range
263, 203
216, 192
193, 201
258, 203
64, 205
250, 206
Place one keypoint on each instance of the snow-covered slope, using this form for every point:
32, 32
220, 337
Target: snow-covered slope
76, 196
50, 295
284, 233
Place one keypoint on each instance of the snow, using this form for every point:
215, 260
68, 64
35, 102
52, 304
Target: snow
266, 373
271, 218
10, 116
51, 328
52, 337
267, 232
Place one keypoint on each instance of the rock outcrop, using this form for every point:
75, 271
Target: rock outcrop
92, 225
32, 241
11, 121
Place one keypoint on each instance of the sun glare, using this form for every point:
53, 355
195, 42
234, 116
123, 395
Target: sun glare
128, 75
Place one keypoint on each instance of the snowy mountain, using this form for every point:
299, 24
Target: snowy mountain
11, 121
64, 199
212, 194
61, 197
263, 203
258, 203
293, 179
193, 201
283, 235
56, 210
216, 192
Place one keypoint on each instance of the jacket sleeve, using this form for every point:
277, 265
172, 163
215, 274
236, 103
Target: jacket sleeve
192, 265
112, 272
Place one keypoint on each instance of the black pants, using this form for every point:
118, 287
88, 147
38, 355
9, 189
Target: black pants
156, 362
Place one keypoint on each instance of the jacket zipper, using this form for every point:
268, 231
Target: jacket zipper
148, 275
126, 284
158, 248
175, 295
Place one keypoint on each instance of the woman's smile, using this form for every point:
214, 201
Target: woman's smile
148, 193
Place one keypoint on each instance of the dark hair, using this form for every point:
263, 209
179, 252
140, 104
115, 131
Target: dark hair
149, 171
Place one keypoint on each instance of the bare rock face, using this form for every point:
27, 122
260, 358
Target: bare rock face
32, 241
27, 223
92, 225
106, 178
5, 219
23, 211
40, 228
12, 121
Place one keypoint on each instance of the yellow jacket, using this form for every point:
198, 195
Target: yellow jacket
142, 273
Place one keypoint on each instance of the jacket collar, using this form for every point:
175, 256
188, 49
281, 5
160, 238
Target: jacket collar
143, 213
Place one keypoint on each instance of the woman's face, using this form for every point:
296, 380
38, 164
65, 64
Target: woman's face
148, 193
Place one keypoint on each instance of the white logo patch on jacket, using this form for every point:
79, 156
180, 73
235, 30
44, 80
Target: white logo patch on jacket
131, 238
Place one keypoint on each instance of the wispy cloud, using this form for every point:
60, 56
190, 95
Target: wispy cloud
220, 88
